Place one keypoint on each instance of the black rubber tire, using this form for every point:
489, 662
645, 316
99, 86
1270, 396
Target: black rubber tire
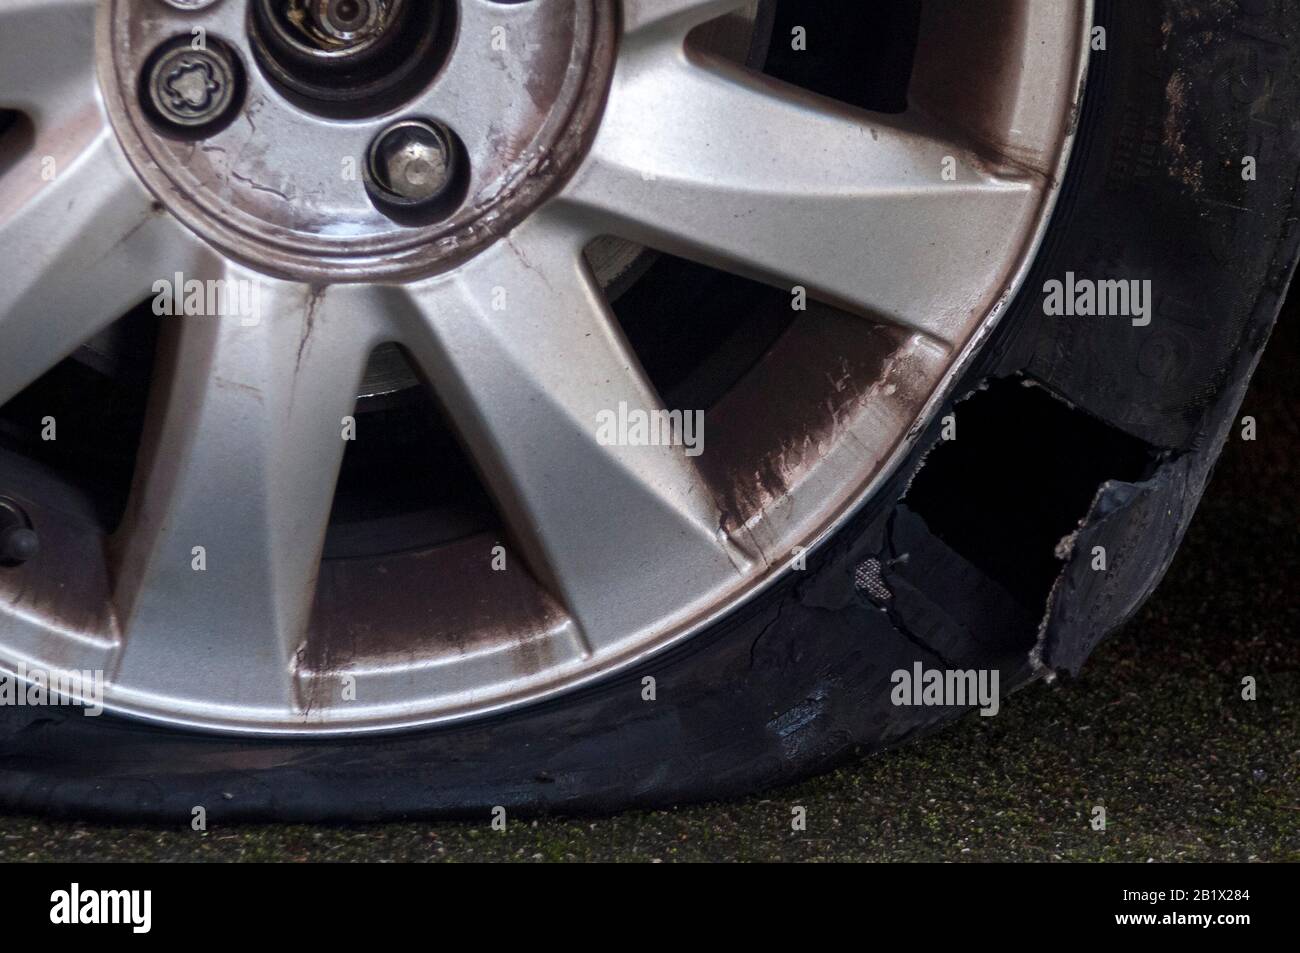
800, 678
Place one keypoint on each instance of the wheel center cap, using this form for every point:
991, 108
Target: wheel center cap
349, 140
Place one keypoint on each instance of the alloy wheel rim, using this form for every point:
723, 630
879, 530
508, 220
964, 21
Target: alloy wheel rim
917, 229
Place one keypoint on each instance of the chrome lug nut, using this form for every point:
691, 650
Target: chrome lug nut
189, 5
18, 541
411, 164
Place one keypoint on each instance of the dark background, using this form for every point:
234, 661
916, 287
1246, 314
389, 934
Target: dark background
1155, 731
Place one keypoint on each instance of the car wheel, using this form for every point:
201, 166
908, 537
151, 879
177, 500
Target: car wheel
578, 405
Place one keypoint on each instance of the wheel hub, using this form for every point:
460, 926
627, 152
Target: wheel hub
292, 104
342, 24
349, 57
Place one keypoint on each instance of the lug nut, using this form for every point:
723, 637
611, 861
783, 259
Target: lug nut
412, 163
18, 541
18, 544
188, 5
192, 90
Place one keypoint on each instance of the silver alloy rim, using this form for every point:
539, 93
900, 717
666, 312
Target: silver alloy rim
918, 227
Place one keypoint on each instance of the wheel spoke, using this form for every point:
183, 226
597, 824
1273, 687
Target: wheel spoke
760, 179
677, 16
47, 56
528, 386
241, 459
80, 249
